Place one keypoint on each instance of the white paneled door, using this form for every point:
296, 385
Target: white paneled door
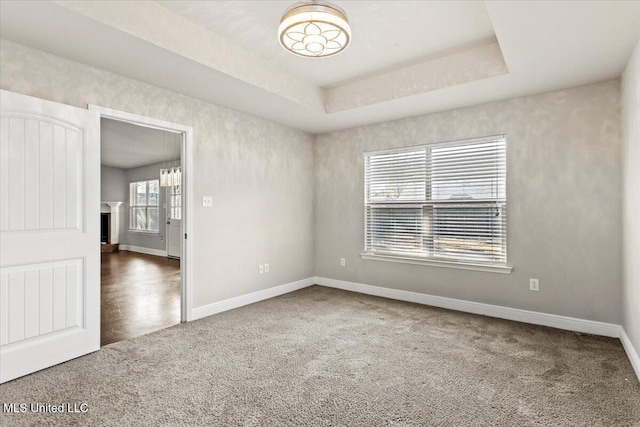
174, 241
49, 234
174, 218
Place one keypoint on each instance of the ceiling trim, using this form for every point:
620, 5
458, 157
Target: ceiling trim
149, 21
145, 20
545, 46
462, 67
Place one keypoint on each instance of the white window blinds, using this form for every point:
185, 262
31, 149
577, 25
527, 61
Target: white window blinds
441, 201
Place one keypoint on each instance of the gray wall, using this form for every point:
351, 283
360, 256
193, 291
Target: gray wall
259, 173
113, 184
114, 188
631, 221
564, 188
564, 203
148, 240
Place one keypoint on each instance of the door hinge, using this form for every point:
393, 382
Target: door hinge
185, 236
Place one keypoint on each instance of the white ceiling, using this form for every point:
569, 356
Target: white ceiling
402, 30
545, 45
126, 146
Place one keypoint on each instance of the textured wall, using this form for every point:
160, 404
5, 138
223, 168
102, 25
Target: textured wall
564, 198
259, 173
564, 189
631, 171
114, 188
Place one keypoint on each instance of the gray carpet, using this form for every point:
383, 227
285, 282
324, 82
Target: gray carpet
325, 357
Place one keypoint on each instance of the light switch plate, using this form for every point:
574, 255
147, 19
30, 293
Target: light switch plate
207, 201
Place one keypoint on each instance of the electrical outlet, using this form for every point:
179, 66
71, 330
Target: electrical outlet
343, 262
534, 285
261, 269
207, 201
266, 268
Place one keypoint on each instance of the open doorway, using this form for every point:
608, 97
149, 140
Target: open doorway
144, 286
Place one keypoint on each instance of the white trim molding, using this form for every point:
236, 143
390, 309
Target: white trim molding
518, 315
533, 317
114, 220
141, 250
487, 268
242, 300
188, 197
632, 354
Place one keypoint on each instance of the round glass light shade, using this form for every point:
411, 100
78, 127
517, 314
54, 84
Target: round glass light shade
314, 29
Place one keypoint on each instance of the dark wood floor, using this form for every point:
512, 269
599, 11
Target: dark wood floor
139, 294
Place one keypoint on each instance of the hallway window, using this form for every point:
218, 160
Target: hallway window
144, 201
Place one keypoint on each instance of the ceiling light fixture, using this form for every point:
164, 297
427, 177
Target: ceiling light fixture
314, 29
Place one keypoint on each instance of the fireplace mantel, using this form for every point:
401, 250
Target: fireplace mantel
113, 208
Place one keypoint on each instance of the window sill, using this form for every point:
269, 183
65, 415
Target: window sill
489, 268
149, 233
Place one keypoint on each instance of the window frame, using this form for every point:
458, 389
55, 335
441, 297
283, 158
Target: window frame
429, 203
174, 193
133, 206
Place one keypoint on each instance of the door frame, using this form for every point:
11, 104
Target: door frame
188, 201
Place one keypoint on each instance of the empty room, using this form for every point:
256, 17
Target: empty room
345, 213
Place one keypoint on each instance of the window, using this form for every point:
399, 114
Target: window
144, 200
444, 201
174, 192
175, 211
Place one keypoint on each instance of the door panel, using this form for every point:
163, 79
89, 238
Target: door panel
174, 220
41, 299
43, 159
174, 234
49, 234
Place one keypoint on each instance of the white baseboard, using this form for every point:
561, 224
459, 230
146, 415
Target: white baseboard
140, 249
231, 303
632, 354
536, 318
525, 316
